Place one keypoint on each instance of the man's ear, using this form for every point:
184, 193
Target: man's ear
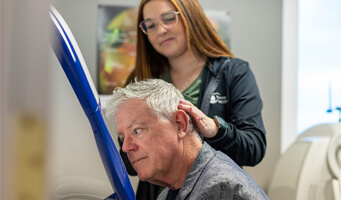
181, 122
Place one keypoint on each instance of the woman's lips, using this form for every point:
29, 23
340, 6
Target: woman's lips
166, 41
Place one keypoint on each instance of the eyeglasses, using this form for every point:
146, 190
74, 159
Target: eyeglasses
168, 19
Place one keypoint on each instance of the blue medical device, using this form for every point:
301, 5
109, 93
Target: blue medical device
73, 64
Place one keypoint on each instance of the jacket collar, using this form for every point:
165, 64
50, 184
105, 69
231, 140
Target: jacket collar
214, 64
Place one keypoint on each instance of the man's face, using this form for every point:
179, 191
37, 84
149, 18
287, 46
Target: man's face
151, 143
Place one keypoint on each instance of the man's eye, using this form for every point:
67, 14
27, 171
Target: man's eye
121, 139
137, 131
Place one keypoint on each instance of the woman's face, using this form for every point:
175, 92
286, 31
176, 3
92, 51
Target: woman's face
169, 41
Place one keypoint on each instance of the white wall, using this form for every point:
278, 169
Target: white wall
256, 34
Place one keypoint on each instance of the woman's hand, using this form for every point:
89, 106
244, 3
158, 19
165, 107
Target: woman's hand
205, 125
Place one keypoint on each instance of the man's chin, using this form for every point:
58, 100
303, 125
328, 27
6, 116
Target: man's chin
150, 180
142, 177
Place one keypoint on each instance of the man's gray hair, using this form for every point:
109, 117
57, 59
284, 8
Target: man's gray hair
163, 98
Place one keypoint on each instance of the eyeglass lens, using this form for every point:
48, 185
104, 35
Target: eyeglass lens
167, 19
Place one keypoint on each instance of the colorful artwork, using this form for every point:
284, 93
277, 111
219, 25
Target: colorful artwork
117, 46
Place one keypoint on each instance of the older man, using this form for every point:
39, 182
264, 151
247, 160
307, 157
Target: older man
164, 148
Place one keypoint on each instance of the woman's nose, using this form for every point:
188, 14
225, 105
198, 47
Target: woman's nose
161, 28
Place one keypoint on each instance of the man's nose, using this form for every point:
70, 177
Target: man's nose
128, 145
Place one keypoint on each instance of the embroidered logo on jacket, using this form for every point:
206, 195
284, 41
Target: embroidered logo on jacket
217, 98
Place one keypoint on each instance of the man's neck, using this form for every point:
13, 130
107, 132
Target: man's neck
178, 175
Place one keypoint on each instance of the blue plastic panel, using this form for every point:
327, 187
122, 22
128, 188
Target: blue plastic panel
73, 64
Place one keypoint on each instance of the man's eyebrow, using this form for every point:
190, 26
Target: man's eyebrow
129, 127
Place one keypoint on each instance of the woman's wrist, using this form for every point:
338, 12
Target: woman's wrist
213, 130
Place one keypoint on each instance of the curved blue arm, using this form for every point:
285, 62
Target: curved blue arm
73, 64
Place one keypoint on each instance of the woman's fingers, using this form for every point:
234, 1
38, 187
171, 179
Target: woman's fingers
205, 125
192, 110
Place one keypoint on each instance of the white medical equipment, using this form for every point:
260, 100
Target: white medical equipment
310, 169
